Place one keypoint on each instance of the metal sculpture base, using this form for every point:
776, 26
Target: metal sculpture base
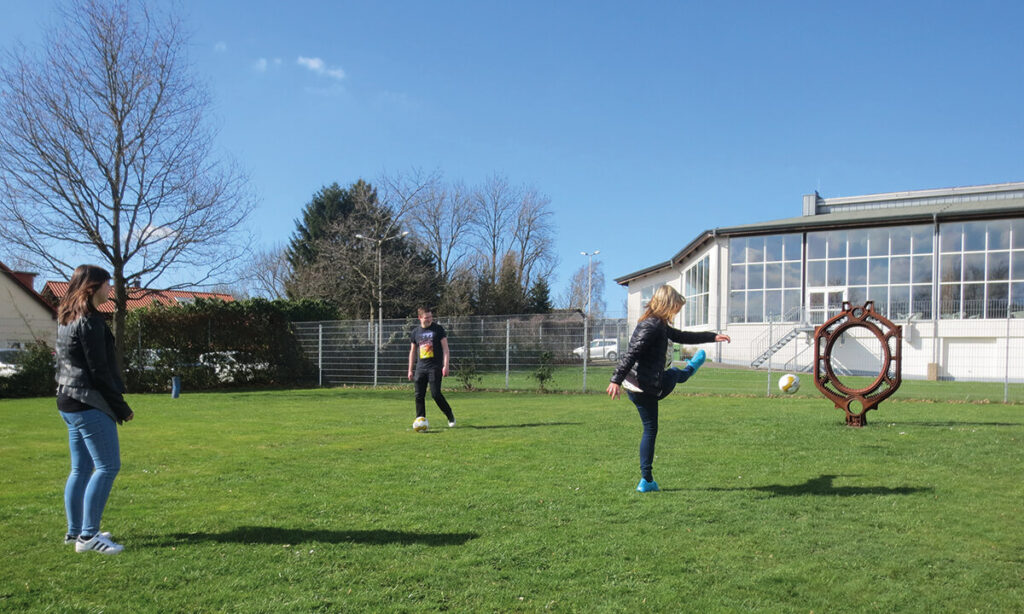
888, 380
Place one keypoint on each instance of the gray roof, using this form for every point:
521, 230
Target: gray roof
952, 210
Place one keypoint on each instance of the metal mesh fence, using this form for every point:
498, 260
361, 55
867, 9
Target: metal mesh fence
486, 351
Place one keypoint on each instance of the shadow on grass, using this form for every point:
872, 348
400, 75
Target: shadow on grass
952, 423
820, 486
279, 536
521, 426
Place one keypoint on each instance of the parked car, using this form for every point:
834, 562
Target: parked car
10, 361
607, 349
233, 365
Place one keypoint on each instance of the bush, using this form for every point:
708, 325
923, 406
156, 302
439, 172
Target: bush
545, 370
466, 371
35, 376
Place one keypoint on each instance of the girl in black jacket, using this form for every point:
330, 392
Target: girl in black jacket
91, 402
642, 372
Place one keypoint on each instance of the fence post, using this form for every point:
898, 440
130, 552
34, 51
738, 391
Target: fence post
508, 345
320, 354
376, 352
768, 386
1006, 374
586, 349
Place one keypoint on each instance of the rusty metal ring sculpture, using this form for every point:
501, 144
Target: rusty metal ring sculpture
888, 379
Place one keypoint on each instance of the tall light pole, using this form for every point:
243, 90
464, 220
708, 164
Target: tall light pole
586, 319
380, 299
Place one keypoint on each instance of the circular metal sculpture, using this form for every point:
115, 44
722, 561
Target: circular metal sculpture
850, 400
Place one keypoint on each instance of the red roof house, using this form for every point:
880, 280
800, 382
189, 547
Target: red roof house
53, 291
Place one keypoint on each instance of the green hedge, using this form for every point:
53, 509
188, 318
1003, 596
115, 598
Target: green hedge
216, 344
35, 376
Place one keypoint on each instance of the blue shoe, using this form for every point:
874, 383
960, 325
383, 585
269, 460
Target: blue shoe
645, 486
697, 360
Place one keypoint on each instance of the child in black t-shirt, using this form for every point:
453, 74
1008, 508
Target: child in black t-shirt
428, 363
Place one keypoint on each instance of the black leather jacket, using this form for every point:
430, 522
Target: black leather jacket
647, 351
86, 359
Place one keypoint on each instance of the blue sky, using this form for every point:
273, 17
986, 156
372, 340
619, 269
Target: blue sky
645, 122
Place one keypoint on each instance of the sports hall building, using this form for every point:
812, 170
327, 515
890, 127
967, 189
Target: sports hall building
946, 264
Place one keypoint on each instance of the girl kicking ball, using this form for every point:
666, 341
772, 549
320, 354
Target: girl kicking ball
642, 373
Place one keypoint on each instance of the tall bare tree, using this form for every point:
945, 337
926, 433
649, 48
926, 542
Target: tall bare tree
105, 155
496, 202
533, 238
576, 294
443, 223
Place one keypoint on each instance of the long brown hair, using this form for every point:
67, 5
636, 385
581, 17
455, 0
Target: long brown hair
664, 305
86, 279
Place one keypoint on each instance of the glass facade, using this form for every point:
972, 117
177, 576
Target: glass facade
890, 266
697, 290
981, 269
765, 278
975, 270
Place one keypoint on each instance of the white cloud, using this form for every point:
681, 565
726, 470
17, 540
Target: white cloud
320, 67
220, 46
260, 65
152, 234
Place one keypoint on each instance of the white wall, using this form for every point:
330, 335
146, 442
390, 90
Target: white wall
22, 319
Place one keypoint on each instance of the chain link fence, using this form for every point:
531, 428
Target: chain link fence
491, 352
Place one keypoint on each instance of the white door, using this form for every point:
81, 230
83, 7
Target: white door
824, 302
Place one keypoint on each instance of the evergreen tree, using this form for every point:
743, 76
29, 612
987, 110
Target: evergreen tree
539, 298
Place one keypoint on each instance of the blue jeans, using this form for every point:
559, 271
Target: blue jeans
647, 407
95, 461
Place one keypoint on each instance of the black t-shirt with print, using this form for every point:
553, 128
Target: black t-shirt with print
429, 352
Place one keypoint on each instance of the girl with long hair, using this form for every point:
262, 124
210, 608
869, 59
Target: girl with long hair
91, 402
642, 372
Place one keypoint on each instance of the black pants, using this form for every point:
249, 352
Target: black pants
433, 376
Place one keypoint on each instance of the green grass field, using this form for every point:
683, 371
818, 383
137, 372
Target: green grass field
326, 501
717, 380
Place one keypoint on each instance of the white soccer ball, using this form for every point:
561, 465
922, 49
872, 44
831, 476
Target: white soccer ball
789, 383
420, 424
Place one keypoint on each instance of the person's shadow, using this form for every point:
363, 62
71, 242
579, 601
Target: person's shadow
281, 536
521, 426
821, 486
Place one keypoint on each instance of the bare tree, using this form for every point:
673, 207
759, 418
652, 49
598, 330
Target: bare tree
496, 203
533, 237
446, 218
104, 154
268, 272
576, 294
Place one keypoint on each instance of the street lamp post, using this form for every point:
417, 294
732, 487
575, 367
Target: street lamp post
378, 340
586, 319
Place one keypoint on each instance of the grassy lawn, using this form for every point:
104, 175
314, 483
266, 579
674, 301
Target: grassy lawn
716, 380
326, 501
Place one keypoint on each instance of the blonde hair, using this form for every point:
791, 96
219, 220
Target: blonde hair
664, 305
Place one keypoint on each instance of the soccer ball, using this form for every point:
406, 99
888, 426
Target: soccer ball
789, 383
420, 424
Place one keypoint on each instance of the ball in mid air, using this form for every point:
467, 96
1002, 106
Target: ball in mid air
789, 383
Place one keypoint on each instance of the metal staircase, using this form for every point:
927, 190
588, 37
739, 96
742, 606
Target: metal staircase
768, 343
780, 343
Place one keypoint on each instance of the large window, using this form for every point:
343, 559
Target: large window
696, 289
764, 278
890, 266
981, 269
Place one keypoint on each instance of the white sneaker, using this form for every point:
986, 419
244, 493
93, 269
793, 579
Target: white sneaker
451, 423
98, 543
630, 384
70, 540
